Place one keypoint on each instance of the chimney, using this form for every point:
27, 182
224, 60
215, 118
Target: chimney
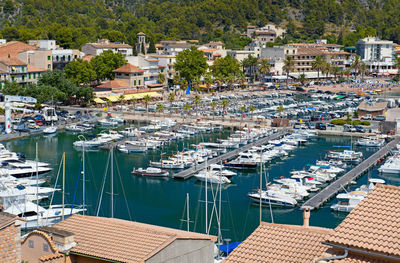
63, 240
306, 216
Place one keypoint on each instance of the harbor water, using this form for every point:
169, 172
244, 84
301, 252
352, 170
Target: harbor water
162, 201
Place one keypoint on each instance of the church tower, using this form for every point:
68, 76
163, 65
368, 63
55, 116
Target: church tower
141, 43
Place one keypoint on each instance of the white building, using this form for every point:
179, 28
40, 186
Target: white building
377, 54
95, 49
240, 55
166, 62
43, 44
150, 66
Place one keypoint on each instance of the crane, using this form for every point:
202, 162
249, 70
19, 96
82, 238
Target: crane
7, 108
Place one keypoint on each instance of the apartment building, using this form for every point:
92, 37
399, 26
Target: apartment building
150, 66
377, 54
94, 49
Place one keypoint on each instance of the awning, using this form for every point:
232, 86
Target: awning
99, 101
152, 94
114, 98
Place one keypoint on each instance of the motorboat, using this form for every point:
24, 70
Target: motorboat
346, 156
151, 172
240, 164
131, 132
273, 197
108, 122
391, 166
24, 169
369, 142
50, 130
212, 178
347, 201
219, 170
167, 164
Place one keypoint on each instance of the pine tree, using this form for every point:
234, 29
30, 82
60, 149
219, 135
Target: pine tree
152, 47
143, 51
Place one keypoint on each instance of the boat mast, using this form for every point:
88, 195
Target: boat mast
187, 211
206, 199
260, 205
83, 179
63, 190
37, 185
112, 184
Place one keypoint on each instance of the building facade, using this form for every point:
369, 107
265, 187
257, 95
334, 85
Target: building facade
95, 49
10, 232
376, 54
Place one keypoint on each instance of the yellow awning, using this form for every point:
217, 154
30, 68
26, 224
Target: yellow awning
152, 94
98, 100
203, 86
114, 98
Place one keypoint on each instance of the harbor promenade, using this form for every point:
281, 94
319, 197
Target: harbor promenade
337, 186
185, 174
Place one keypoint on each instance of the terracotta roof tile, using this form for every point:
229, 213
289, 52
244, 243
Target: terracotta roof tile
128, 68
121, 240
45, 236
50, 257
114, 84
12, 62
12, 48
280, 243
374, 224
6, 219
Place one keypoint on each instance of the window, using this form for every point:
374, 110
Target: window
134, 82
23, 77
45, 247
48, 66
22, 69
139, 82
30, 244
48, 57
34, 75
30, 75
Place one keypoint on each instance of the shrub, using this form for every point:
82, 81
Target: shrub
356, 122
99, 114
365, 123
340, 122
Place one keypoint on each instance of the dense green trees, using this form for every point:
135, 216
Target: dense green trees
191, 64
226, 68
74, 22
51, 86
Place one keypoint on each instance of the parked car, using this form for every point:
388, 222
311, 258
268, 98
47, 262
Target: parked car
349, 128
359, 128
380, 118
366, 117
300, 89
320, 126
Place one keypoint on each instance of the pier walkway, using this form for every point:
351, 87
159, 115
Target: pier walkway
337, 186
185, 174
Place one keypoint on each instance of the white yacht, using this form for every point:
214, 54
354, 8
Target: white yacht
50, 130
346, 156
347, 201
391, 166
273, 197
167, 164
219, 170
131, 132
369, 142
25, 169
212, 178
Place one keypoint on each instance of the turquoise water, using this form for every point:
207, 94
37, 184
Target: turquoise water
162, 201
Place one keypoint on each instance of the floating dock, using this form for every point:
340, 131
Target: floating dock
185, 174
337, 186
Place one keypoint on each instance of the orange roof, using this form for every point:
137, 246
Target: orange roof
12, 62
45, 236
6, 219
13, 48
115, 84
280, 243
128, 68
121, 240
210, 50
51, 258
374, 225
34, 69
351, 258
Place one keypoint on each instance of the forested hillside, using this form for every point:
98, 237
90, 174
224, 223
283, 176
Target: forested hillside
75, 22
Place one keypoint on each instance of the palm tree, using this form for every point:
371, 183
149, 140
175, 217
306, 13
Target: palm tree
356, 65
280, 109
397, 65
121, 98
252, 109
302, 79
318, 64
213, 106
242, 111
161, 78
250, 63
264, 67
134, 100
160, 108
224, 107
326, 69
363, 68
335, 71
146, 100
171, 97
187, 108
288, 67
197, 100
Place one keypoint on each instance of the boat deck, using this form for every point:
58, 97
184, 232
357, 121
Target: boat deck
185, 174
337, 186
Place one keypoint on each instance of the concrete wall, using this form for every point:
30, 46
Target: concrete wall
181, 251
89, 50
10, 246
